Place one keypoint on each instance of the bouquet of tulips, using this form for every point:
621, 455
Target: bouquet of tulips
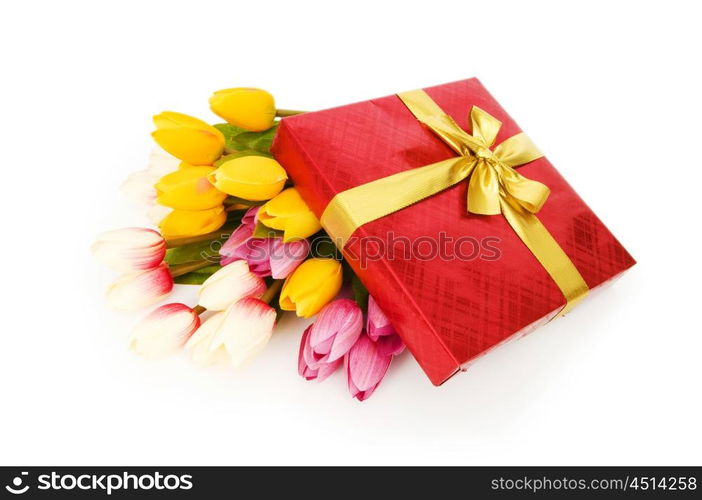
230, 222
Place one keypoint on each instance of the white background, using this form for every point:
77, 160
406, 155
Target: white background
611, 93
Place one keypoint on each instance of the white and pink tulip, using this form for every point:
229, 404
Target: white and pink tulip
235, 336
139, 289
139, 188
164, 331
228, 285
130, 249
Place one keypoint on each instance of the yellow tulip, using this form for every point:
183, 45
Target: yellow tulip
311, 286
188, 138
181, 223
253, 178
189, 189
250, 109
289, 213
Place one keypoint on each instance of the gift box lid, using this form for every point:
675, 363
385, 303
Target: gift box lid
454, 284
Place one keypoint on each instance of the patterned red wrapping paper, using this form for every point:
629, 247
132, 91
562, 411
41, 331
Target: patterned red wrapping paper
448, 311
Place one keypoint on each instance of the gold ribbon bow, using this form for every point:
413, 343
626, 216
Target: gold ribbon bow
495, 187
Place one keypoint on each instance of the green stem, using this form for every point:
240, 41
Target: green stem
186, 240
188, 267
272, 291
282, 113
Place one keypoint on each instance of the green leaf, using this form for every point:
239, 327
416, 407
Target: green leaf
323, 246
203, 250
239, 140
262, 231
197, 277
257, 141
360, 293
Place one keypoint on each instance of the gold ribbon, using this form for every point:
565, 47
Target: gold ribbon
495, 187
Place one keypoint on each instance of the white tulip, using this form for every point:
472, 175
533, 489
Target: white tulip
198, 346
156, 213
230, 284
163, 331
130, 249
139, 186
140, 289
236, 335
161, 163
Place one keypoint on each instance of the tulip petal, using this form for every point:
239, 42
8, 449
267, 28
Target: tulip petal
390, 345
286, 257
378, 324
140, 289
247, 108
336, 329
246, 329
254, 178
192, 222
189, 189
308, 367
163, 331
228, 285
312, 285
365, 367
199, 343
130, 249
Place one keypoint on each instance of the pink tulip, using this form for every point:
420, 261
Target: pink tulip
335, 330
382, 332
164, 330
307, 366
140, 289
265, 256
235, 247
365, 367
130, 249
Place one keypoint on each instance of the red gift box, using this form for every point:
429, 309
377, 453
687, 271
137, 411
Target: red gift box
454, 284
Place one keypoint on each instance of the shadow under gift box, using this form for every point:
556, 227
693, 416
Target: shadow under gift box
448, 311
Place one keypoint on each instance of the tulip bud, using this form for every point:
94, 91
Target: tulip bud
381, 331
307, 366
311, 286
289, 213
188, 138
130, 249
189, 189
140, 289
335, 330
180, 223
365, 368
228, 285
253, 177
248, 108
235, 335
163, 331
